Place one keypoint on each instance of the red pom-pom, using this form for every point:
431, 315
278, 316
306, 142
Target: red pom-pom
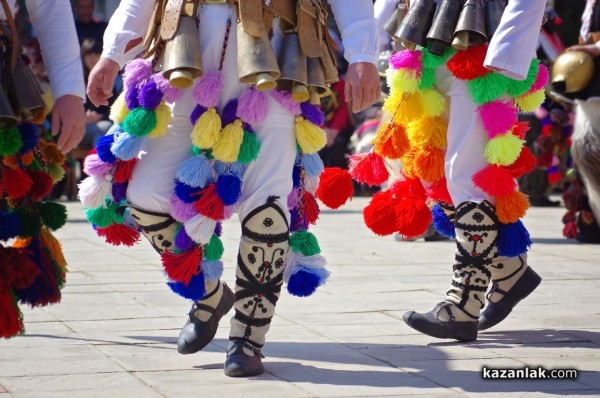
379, 214
468, 65
408, 188
523, 165
438, 191
124, 170
570, 230
554, 177
495, 181
182, 267
119, 234
335, 187
311, 208
11, 320
412, 217
545, 159
368, 168
42, 184
210, 203
16, 182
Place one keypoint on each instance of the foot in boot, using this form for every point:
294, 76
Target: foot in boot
496, 312
444, 321
243, 360
197, 333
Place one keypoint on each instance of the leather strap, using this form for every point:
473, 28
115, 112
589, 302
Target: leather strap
14, 38
309, 28
251, 17
171, 18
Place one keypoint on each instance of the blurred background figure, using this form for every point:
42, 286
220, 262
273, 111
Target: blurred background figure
87, 26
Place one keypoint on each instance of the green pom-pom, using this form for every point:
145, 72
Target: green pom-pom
10, 141
432, 61
30, 223
516, 88
53, 215
249, 149
196, 151
427, 79
214, 249
56, 171
140, 122
487, 88
304, 242
105, 216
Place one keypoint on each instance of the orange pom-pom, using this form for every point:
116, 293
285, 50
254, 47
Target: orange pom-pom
311, 208
392, 141
412, 217
27, 158
511, 207
495, 180
368, 168
429, 164
379, 214
408, 163
182, 267
11, 161
523, 165
335, 187
468, 65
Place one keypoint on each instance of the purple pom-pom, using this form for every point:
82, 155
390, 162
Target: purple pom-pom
181, 211
183, 241
196, 113
253, 107
285, 100
135, 72
313, 113
131, 98
170, 93
219, 229
150, 96
119, 192
207, 91
229, 112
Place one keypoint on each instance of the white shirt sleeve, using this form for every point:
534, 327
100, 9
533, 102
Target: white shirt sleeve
383, 11
358, 26
129, 22
514, 43
55, 30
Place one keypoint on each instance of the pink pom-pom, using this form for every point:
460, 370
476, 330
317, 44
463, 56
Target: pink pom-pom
207, 91
495, 181
135, 72
170, 93
407, 59
93, 166
284, 99
541, 112
498, 117
181, 211
253, 107
368, 168
541, 79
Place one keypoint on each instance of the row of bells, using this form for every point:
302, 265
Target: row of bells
456, 23
306, 78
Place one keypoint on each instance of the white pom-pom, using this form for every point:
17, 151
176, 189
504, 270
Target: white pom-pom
200, 228
294, 260
93, 191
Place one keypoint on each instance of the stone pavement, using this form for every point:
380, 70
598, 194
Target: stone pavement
114, 333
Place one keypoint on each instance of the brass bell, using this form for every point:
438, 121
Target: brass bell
257, 63
493, 14
182, 62
294, 66
7, 116
413, 29
25, 93
394, 21
470, 29
441, 33
572, 71
317, 87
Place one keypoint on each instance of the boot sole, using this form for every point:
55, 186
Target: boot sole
461, 331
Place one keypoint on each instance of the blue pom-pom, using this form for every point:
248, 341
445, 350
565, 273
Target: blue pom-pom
195, 290
103, 148
195, 172
127, 147
442, 223
10, 225
29, 136
306, 280
513, 239
213, 270
296, 175
313, 165
229, 188
236, 168
150, 95
186, 193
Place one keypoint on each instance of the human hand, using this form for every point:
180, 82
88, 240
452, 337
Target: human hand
100, 81
92, 117
591, 49
362, 85
68, 119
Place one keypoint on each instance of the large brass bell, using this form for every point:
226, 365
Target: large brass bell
572, 71
294, 68
413, 29
470, 29
182, 63
493, 14
394, 21
317, 87
257, 63
441, 33
24, 93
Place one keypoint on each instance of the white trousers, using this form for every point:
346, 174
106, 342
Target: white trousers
270, 174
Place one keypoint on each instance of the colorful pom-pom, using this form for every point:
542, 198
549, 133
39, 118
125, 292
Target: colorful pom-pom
229, 188
335, 187
200, 228
250, 148
468, 65
136, 71
149, 95
119, 234
214, 249
53, 215
212, 270
442, 223
195, 172
392, 141
206, 129
304, 242
10, 225
513, 239
127, 147
401, 81
312, 113
186, 193
434, 103
494, 180
503, 150
253, 107
523, 165
406, 59
309, 137
181, 267
210, 204
207, 91
311, 208
103, 148
428, 131
11, 318
368, 168
10, 141
531, 101
163, 117
140, 122
379, 214
194, 291
487, 88
412, 217
16, 182
429, 163
498, 117
119, 110
313, 164
227, 147
511, 207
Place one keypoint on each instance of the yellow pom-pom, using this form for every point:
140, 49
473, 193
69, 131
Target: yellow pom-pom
119, 111
206, 130
230, 140
410, 109
530, 102
309, 137
392, 103
402, 81
503, 150
163, 117
428, 131
433, 102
